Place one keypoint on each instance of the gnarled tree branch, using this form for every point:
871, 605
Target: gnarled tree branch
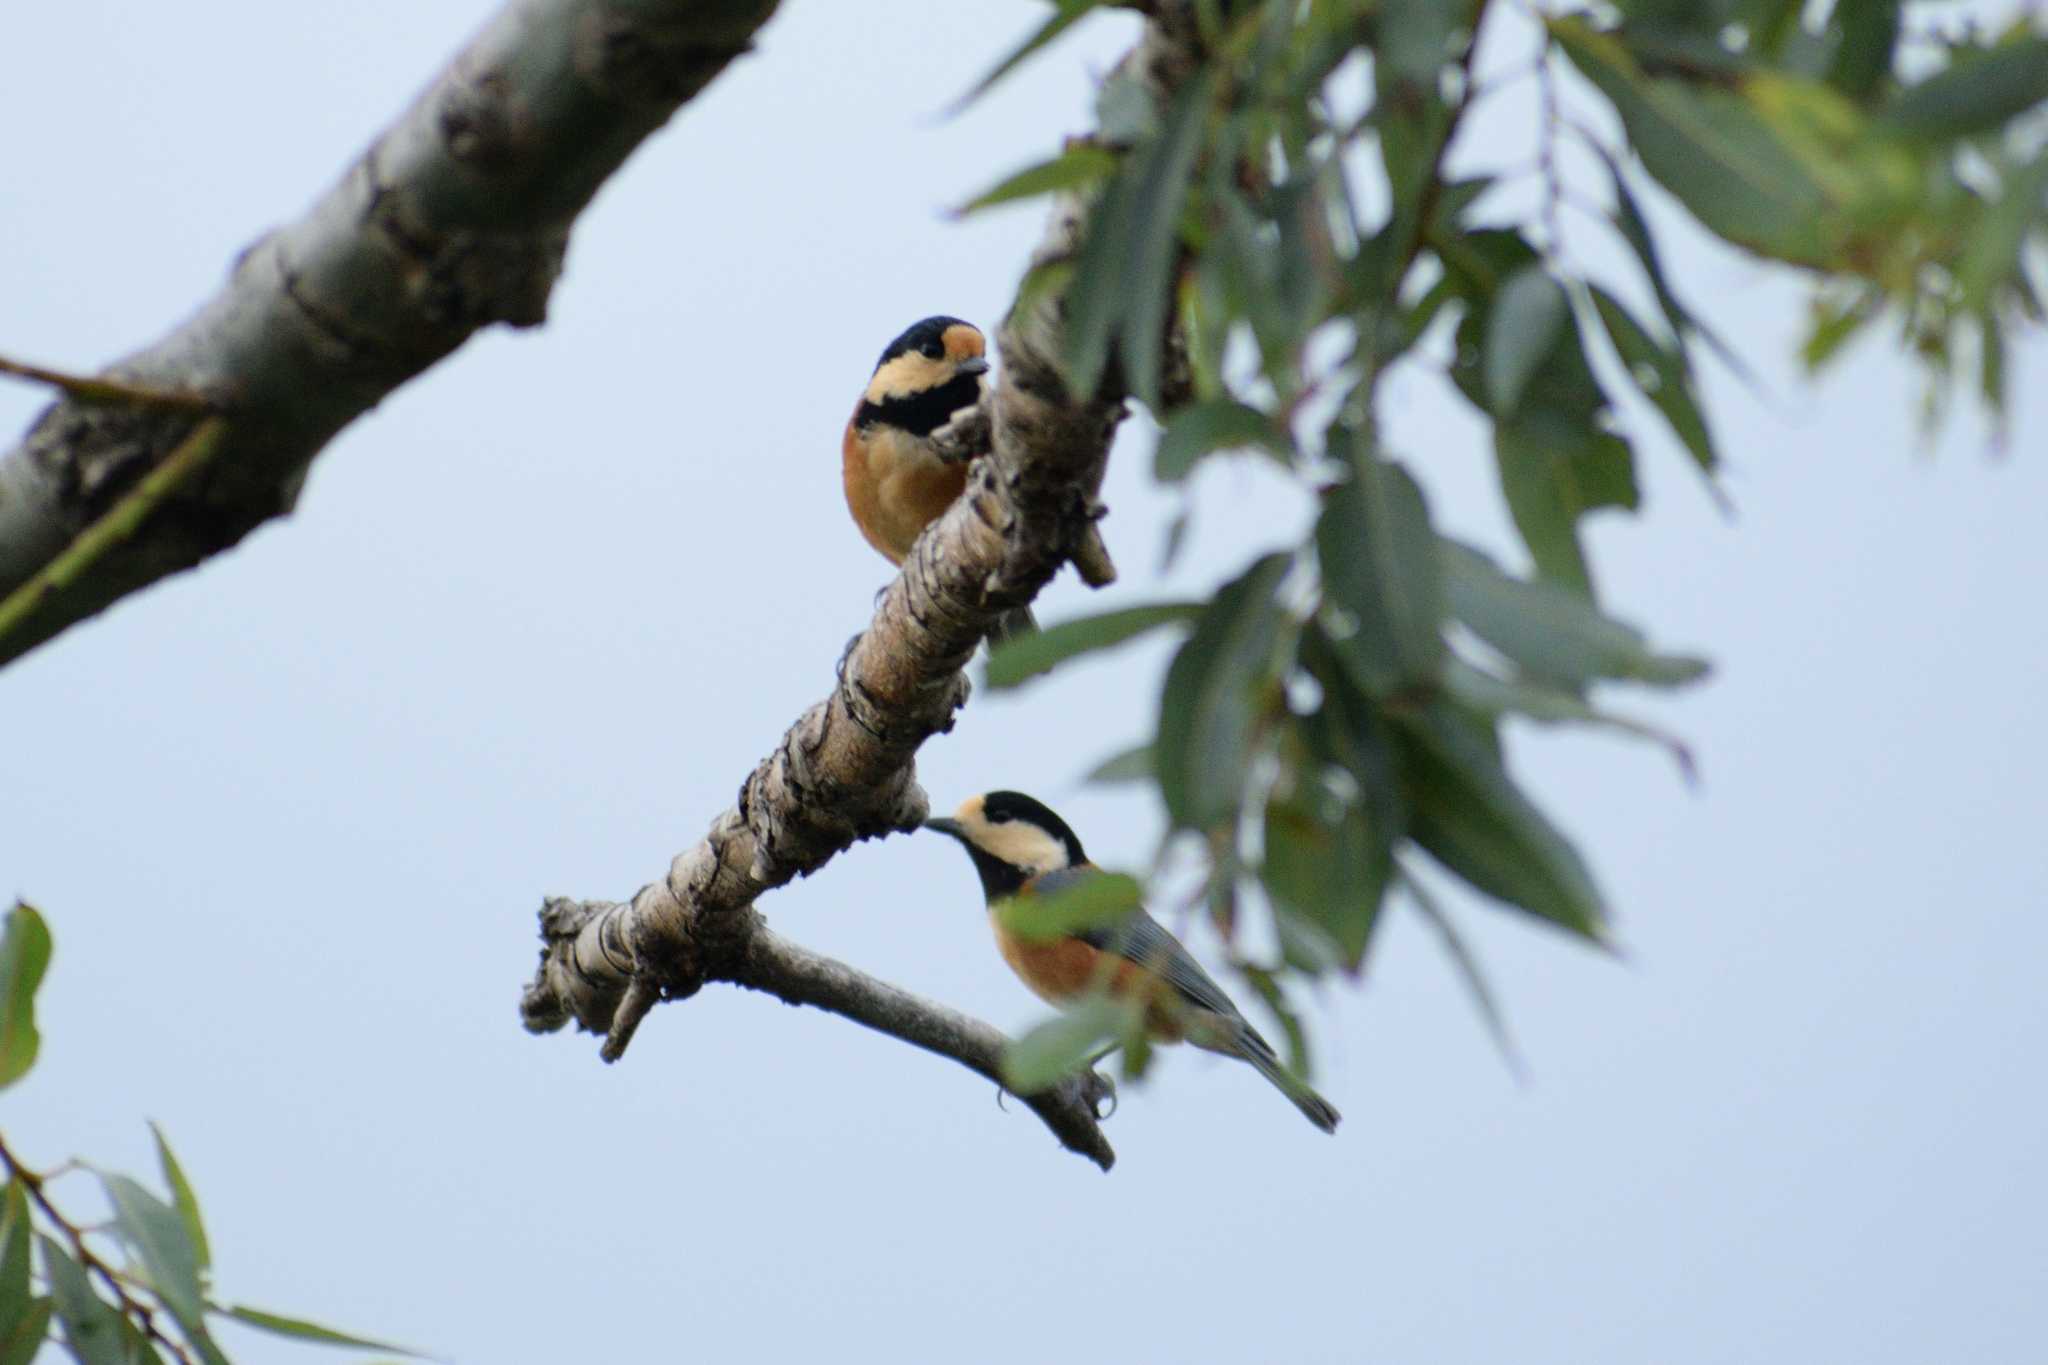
457, 217
846, 769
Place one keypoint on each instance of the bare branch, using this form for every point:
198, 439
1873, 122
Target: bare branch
457, 217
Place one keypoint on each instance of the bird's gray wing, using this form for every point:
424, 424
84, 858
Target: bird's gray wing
1144, 940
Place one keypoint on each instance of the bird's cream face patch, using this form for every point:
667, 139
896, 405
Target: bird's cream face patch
1019, 843
914, 372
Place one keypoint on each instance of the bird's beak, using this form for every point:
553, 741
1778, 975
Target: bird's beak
947, 826
974, 365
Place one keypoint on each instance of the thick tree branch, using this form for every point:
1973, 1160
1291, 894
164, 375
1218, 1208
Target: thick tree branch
456, 218
845, 770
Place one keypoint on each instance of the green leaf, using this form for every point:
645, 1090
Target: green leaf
162, 1242
300, 1330
1166, 166
1217, 424
1526, 326
1062, 19
1136, 764
1992, 254
16, 1236
1065, 1044
1635, 229
1710, 147
1550, 631
1379, 562
24, 954
1483, 691
186, 1202
1467, 814
22, 1332
1973, 94
1554, 468
93, 1328
1415, 39
1215, 697
1021, 658
1082, 164
1468, 968
1663, 375
1862, 60
1327, 866
1086, 903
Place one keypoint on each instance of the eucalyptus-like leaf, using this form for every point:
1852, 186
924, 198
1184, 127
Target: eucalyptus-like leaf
1550, 631
1974, 93
1217, 424
1215, 695
16, 1237
183, 1199
1091, 901
93, 1328
1554, 468
1483, 691
1136, 764
1467, 966
1528, 322
1082, 164
297, 1329
161, 1240
1065, 14
1662, 373
1379, 562
24, 955
1024, 657
22, 1333
1468, 814
1064, 1044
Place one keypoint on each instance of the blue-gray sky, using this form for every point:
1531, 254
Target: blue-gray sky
290, 816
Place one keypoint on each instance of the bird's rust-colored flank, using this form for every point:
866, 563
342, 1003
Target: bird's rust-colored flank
894, 487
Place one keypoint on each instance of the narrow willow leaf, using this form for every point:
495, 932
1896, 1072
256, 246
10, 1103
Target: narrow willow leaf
300, 1330
1077, 166
1483, 691
1662, 374
1379, 562
1468, 968
1863, 58
93, 1329
22, 1333
1635, 229
1064, 1044
1217, 424
16, 1236
1167, 167
1714, 151
1086, 902
182, 1197
1468, 814
1135, 764
1992, 253
1209, 711
160, 1239
1974, 94
1327, 865
1548, 630
1021, 658
1553, 469
24, 955
1062, 18
1526, 325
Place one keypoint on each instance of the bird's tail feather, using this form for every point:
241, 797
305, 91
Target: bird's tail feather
1267, 1063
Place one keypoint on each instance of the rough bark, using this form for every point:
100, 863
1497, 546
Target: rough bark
845, 770
455, 218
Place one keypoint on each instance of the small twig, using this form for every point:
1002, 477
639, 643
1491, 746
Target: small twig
141, 1314
121, 521
102, 390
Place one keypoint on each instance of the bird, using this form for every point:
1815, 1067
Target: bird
896, 480
1021, 848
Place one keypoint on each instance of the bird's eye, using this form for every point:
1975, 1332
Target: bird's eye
935, 349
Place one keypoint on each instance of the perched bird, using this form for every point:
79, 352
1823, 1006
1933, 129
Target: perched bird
896, 480
1021, 848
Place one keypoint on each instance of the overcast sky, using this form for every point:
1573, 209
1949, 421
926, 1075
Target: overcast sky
290, 816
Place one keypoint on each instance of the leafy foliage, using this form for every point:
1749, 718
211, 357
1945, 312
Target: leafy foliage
145, 1302
1333, 716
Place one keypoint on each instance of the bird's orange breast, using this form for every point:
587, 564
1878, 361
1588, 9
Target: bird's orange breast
895, 487
1060, 970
